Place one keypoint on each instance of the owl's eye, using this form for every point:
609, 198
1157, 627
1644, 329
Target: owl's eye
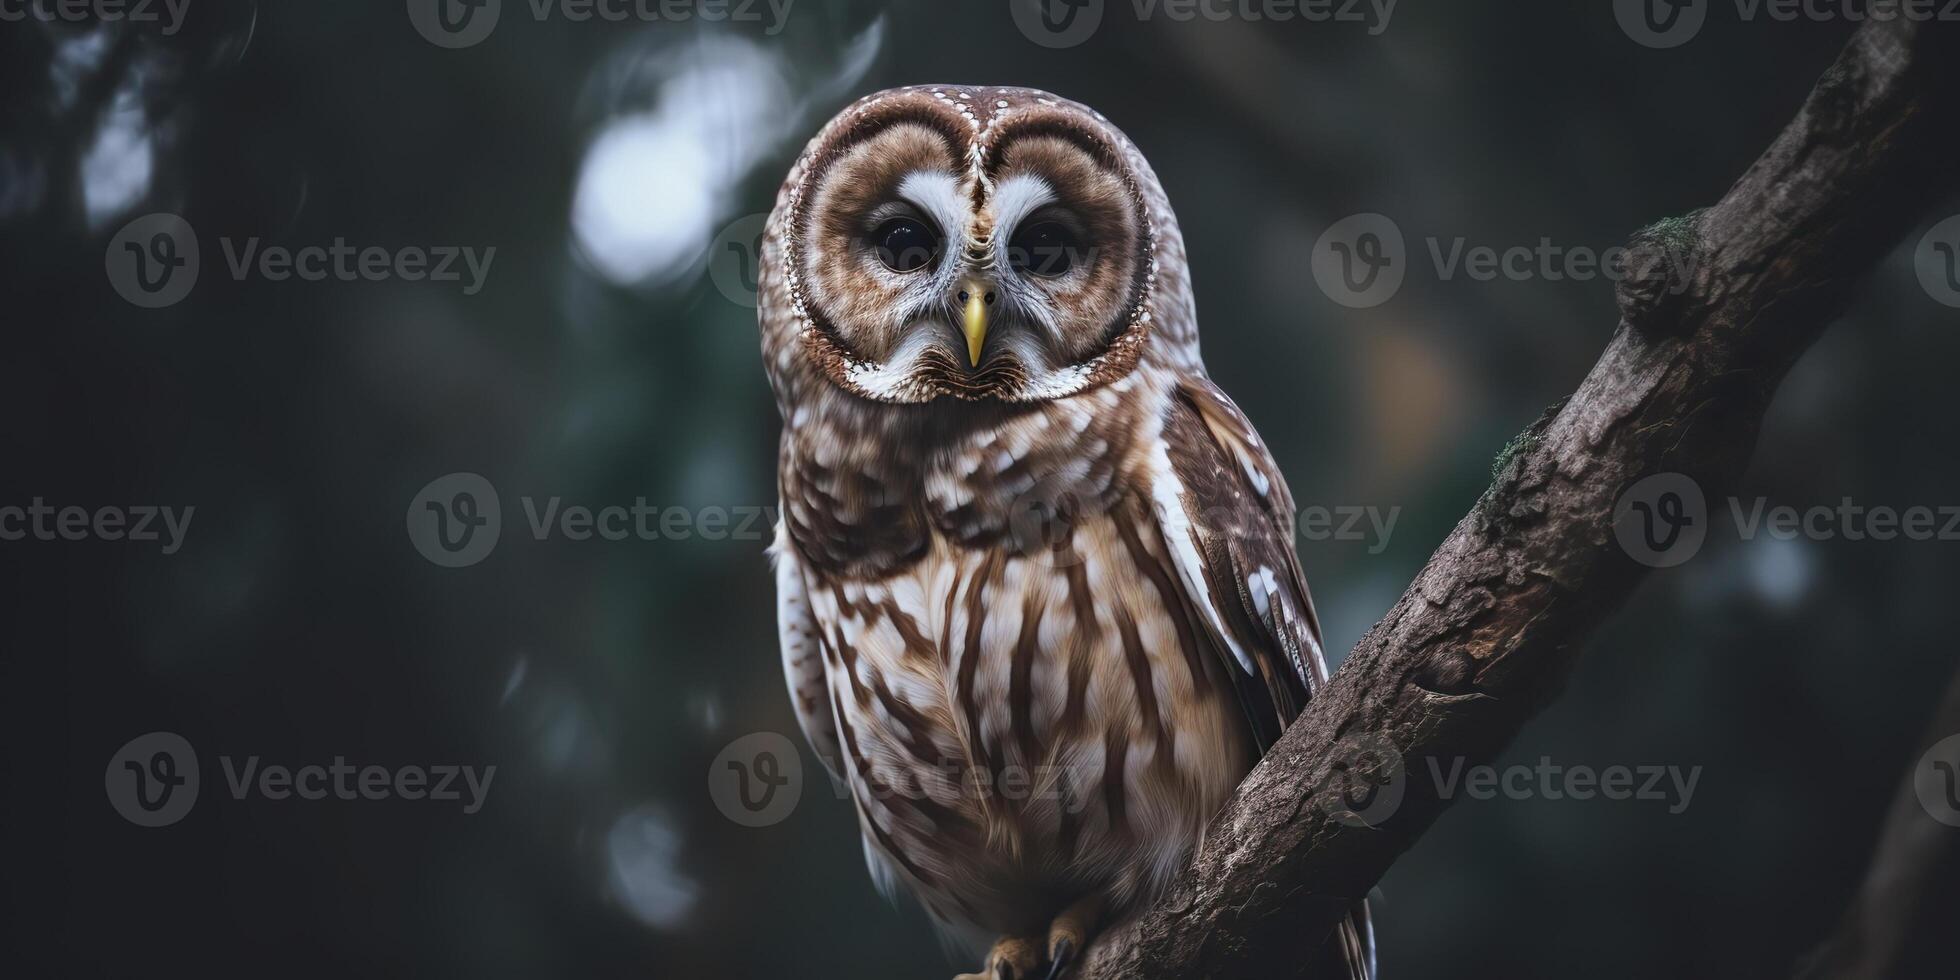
1043, 248
905, 244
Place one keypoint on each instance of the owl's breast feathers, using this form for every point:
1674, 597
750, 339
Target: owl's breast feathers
1042, 645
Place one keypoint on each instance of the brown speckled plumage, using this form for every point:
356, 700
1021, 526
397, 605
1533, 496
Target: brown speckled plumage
1042, 613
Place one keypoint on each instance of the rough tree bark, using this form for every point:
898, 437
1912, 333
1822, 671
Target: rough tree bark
1488, 630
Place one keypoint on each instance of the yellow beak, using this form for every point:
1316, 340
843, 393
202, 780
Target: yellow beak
976, 323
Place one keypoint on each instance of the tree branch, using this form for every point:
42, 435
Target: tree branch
1486, 633
1898, 923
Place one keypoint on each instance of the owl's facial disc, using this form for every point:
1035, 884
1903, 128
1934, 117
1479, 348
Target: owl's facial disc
1004, 269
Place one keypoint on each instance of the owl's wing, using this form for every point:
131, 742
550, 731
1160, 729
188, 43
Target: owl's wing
1227, 518
803, 668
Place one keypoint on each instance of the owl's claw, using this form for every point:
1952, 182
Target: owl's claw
1012, 958
1060, 956
1070, 933
1016, 958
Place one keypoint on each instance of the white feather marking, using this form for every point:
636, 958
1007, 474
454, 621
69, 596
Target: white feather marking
1254, 473
1014, 199
937, 193
888, 380
1263, 586
1058, 383
803, 665
1167, 492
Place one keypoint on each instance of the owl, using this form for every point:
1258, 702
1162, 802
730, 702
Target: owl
1038, 600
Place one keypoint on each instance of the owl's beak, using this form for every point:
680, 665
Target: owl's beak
976, 299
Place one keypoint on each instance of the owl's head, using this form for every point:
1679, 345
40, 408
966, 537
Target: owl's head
973, 243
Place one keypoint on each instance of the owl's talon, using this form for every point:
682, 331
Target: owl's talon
1060, 955
1070, 933
1012, 958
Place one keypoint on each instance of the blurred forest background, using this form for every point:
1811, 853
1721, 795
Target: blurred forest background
604, 359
